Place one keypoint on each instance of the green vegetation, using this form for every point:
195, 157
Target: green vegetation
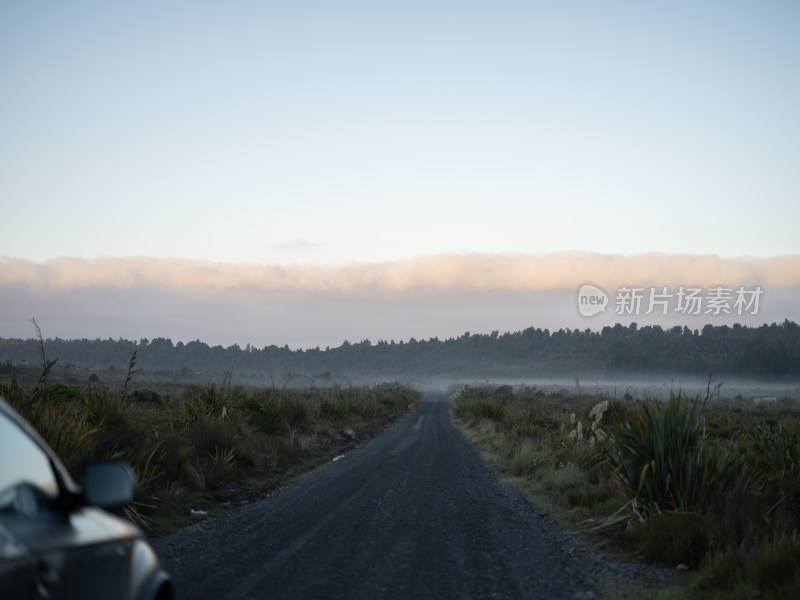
660, 461
203, 445
712, 485
768, 351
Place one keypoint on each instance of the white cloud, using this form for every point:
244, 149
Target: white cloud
307, 305
439, 273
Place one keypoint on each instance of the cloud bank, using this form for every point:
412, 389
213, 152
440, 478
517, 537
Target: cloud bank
446, 272
316, 305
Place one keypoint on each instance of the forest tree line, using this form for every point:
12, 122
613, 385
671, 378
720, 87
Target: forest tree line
771, 351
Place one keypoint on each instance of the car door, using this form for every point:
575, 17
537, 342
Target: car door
92, 556
15, 569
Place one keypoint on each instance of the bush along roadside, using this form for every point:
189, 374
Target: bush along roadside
709, 487
208, 446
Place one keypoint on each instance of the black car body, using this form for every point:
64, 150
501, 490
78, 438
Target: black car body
55, 541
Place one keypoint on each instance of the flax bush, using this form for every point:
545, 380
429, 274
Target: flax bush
661, 462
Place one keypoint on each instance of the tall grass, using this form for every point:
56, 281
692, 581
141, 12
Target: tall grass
206, 440
478, 404
779, 446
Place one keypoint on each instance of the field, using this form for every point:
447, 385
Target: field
196, 448
705, 485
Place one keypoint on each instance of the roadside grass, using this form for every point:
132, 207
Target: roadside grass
708, 484
207, 445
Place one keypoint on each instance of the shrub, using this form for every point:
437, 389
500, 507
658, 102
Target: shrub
531, 420
673, 538
148, 396
526, 460
476, 404
776, 566
486, 409
14, 394
504, 393
660, 461
332, 408
66, 428
568, 480
346, 404
770, 570
61, 392
211, 436
272, 413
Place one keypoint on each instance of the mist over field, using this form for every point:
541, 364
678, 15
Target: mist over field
638, 386
633, 362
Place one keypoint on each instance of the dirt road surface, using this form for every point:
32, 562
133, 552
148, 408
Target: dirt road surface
413, 513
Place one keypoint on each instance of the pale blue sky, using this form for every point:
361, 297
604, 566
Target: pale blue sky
280, 132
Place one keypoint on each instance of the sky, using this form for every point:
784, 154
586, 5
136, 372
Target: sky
307, 172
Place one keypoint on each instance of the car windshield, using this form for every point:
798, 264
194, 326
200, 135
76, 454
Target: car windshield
27, 481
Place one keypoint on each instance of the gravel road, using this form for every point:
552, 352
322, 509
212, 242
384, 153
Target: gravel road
413, 513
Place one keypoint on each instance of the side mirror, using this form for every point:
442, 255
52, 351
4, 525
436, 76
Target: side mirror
108, 484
